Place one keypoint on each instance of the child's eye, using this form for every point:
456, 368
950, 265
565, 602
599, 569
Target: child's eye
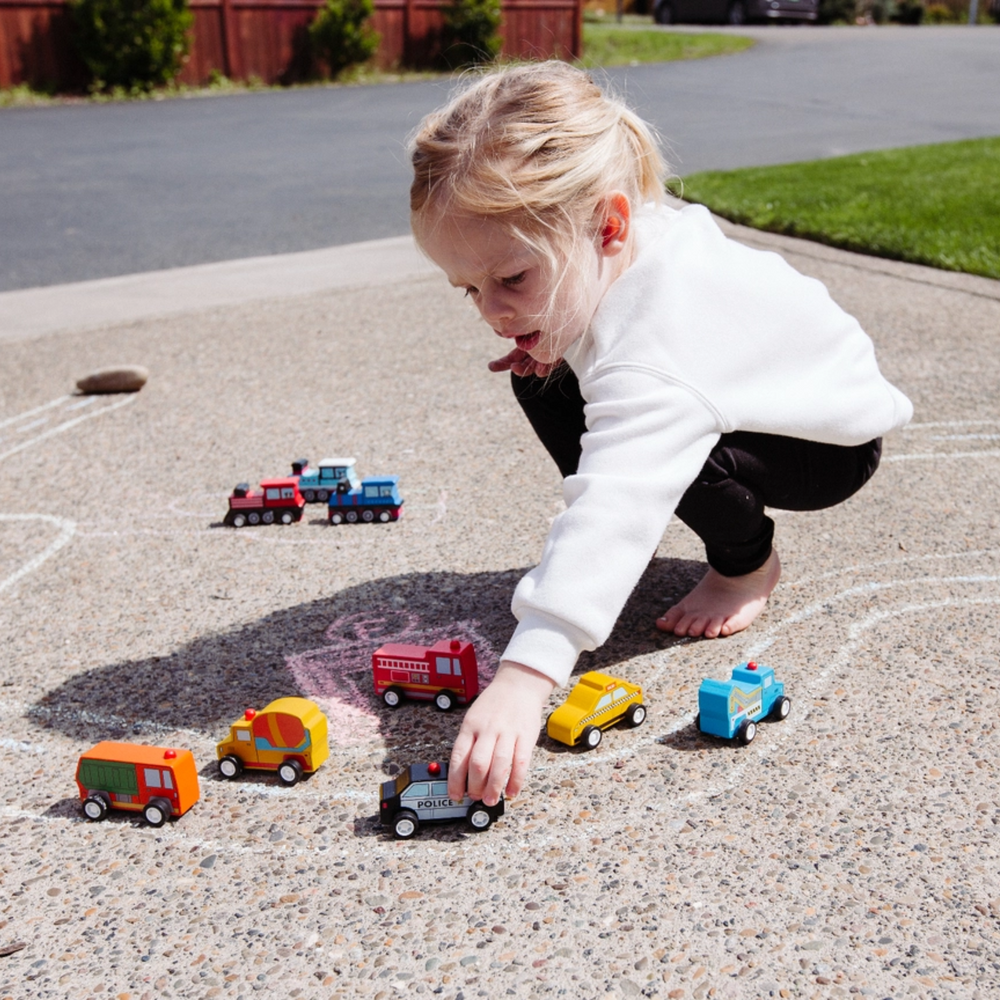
514, 279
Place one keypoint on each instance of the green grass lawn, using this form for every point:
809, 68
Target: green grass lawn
937, 205
618, 45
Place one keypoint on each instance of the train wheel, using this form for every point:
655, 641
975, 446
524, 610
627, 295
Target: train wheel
322, 496
368, 516
239, 520
287, 517
351, 517
253, 517
384, 515
268, 517
336, 517
309, 496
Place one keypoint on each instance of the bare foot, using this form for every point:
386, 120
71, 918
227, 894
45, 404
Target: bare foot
722, 605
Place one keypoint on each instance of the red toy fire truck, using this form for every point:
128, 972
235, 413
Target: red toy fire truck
446, 673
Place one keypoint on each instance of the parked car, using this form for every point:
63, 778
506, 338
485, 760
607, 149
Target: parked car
733, 11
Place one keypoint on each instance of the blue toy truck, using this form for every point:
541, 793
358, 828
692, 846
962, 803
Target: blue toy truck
371, 500
731, 709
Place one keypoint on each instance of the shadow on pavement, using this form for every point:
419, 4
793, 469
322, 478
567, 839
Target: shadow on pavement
322, 650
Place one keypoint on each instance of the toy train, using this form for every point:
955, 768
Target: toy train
334, 482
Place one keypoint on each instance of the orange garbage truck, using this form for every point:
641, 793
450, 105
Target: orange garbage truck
158, 782
289, 736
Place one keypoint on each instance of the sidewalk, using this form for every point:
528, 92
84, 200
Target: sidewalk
849, 850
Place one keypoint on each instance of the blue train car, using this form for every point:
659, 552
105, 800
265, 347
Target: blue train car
332, 475
731, 709
371, 500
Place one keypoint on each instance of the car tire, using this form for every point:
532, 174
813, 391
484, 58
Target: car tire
405, 824
289, 772
780, 709
746, 732
230, 766
663, 12
96, 806
591, 737
636, 715
392, 697
479, 817
156, 812
444, 700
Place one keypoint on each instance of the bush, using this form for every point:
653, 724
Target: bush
471, 32
940, 13
342, 34
837, 11
132, 44
909, 12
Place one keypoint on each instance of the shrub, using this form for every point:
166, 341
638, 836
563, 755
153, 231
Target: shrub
342, 34
909, 11
132, 44
471, 32
940, 13
837, 11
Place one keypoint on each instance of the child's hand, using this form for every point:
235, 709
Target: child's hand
521, 363
494, 745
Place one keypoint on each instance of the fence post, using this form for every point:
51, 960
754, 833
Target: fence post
231, 43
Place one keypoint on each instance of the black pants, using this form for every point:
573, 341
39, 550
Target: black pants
745, 473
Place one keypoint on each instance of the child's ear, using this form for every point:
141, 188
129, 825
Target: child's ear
615, 216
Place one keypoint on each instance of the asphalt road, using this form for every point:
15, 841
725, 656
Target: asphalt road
94, 191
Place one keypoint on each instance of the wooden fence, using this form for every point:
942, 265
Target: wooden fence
268, 39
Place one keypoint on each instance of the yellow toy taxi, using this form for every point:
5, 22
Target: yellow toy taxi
597, 702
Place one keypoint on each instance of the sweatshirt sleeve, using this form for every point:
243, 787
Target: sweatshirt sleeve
647, 439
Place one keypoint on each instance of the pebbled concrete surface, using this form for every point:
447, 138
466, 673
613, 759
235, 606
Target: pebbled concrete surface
851, 850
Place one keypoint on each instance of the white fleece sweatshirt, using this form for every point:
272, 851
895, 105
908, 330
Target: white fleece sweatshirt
700, 336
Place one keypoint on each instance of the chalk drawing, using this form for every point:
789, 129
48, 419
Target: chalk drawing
67, 529
338, 675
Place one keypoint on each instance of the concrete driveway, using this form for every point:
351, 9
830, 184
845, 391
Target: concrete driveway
851, 849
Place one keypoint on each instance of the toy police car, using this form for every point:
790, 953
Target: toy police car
420, 795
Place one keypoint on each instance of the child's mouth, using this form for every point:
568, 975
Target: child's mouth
527, 341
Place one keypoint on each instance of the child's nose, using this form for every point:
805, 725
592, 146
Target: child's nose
495, 308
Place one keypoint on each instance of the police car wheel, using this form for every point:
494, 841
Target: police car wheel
289, 772
230, 766
95, 807
636, 715
781, 709
591, 737
393, 697
405, 824
747, 732
444, 700
156, 812
479, 816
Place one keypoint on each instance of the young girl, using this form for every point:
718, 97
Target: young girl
666, 368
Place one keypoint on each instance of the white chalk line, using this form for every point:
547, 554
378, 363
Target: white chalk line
7, 421
67, 529
63, 427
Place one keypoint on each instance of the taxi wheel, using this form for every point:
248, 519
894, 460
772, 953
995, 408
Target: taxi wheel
636, 715
591, 737
406, 824
479, 816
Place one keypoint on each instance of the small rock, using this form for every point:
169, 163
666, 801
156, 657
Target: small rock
120, 378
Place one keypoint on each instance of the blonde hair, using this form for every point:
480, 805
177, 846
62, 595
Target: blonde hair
535, 147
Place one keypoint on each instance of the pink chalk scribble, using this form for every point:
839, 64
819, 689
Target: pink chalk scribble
338, 675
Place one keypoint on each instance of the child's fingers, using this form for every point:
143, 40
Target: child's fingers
489, 769
519, 769
458, 768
